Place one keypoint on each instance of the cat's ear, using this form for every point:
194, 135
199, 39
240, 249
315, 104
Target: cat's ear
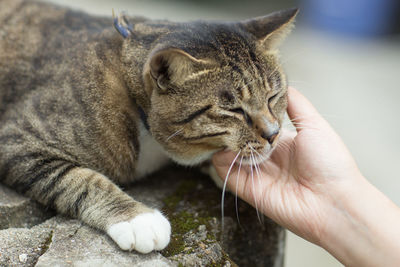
270, 30
171, 66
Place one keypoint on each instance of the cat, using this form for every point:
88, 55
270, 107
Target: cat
85, 106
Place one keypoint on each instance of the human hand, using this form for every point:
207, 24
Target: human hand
312, 186
296, 186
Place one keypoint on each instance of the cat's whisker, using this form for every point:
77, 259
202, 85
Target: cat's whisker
263, 158
287, 124
305, 128
296, 120
258, 171
259, 156
299, 125
224, 189
304, 125
236, 192
174, 134
295, 123
332, 116
283, 145
252, 182
290, 148
299, 118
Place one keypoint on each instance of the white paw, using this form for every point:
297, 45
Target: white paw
144, 233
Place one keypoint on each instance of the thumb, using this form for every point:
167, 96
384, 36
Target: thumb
222, 161
301, 112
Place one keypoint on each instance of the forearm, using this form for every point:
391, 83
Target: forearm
364, 229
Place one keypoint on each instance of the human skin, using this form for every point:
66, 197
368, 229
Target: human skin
312, 186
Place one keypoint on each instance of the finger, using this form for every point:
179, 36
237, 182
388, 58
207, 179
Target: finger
223, 159
287, 135
222, 162
284, 148
247, 187
239, 180
302, 112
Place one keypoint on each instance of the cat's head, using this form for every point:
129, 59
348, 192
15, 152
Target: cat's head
216, 86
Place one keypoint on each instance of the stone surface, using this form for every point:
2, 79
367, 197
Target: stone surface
187, 197
76, 244
19, 211
23, 247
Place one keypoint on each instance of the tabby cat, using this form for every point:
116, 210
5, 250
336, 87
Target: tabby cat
85, 106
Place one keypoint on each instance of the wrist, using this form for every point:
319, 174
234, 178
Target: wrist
361, 229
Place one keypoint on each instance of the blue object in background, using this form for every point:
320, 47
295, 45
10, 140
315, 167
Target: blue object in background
353, 17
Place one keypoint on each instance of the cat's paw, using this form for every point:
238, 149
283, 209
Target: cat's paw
144, 233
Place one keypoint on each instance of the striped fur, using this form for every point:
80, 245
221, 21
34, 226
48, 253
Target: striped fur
70, 87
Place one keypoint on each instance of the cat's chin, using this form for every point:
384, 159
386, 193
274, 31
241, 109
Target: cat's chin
256, 159
192, 161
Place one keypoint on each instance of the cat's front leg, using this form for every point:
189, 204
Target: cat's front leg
93, 198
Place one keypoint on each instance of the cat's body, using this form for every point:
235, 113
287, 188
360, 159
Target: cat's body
83, 109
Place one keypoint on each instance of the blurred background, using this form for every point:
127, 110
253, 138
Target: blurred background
343, 55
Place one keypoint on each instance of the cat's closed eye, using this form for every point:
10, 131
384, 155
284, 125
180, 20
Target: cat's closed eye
273, 99
244, 114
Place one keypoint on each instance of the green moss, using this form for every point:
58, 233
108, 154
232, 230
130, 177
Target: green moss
45, 246
195, 210
175, 246
184, 221
172, 201
181, 222
210, 236
189, 251
221, 262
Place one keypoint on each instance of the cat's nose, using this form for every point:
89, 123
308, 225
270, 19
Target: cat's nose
267, 128
270, 136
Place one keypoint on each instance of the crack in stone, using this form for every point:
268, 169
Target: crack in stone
45, 246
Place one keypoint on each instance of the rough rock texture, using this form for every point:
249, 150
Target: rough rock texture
192, 203
23, 247
19, 211
76, 244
